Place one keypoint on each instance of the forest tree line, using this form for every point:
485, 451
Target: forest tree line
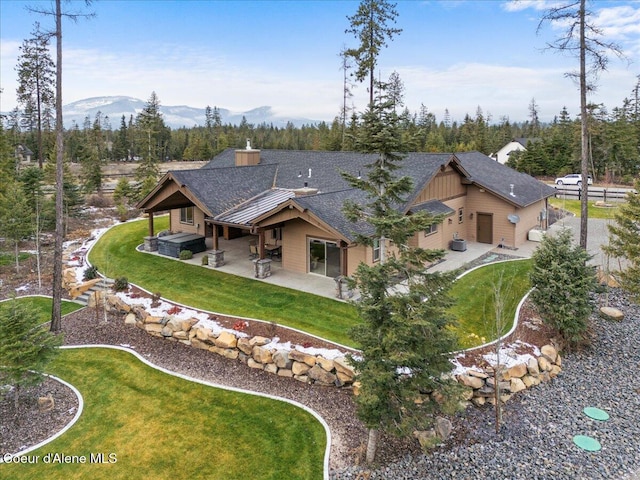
554, 147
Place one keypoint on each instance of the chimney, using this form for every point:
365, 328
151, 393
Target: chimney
247, 156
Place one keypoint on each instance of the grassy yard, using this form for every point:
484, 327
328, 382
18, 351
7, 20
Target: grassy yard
474, 308
162, 427
115, 255
573, 206
42, 305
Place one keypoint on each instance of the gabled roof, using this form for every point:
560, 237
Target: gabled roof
498, 179
244, 194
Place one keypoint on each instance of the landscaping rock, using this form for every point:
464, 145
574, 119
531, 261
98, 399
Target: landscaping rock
302, 357
226, 340
262, 355
610, 313
281, 359
320, 375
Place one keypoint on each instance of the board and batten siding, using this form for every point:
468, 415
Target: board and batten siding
177, 227
444, 186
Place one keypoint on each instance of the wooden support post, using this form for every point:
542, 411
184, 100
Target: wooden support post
151, 224
261, 241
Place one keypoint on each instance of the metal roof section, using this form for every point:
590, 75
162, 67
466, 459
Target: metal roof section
247, 212
434, 207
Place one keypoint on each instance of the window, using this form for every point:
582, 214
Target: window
431, 229
460, 215
186, 215
376, 249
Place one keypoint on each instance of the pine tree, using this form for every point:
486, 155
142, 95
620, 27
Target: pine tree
403, 335
562, 283
370, 26
152, 133
624, 241
26, 348
36, 81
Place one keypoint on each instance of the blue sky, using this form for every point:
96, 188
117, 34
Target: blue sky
452, 54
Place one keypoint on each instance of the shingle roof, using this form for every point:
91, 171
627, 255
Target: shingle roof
491, 175
229, 191
222, 189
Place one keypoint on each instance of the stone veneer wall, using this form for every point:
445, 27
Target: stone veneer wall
328, 372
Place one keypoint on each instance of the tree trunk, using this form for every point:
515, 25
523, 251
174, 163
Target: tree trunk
584, 157
372, 444
56, 309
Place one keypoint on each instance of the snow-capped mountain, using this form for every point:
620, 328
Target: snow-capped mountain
174, 116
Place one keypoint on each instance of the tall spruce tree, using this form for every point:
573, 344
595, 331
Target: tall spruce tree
153, 134
403, 334
370, 25
624, 241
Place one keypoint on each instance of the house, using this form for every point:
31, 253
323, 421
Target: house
23, 153
515, 145
291, 201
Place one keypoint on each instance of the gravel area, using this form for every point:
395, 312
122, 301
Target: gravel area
536, 440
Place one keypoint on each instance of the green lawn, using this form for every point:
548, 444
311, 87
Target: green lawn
474, 308
573, 206
115, 255
42, 305
162, 427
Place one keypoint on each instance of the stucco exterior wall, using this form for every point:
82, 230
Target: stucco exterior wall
176, 226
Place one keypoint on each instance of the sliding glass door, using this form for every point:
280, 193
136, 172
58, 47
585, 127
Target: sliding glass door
324, 257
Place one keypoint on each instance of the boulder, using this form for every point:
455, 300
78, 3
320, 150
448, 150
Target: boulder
530, 381
302, 378
244, 346
186, 325
181, 335
517, 385
259, 341
199, 344
549, 352
532, 366
302, 357
477, 374
202, 334
356, 388
253, 364
281, 359
344, 369
320, 375
544, 364
426, 438
555, 371
261, 354
517, 371
271, 368
174, 324
285, 372
443, 428
153, 328
230, 353
299, 368
610, 313
226, 340
118, 304
469, 381
325, 363
130, 319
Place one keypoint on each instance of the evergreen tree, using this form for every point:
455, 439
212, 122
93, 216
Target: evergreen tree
16, 217
36, 81
562, 283
370, 26
26, 348
624, 241
403, 335
153, 132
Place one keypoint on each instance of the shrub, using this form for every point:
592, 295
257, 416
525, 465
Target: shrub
99, 200
562, 282
90, 273
186, 255
120, 284
205, 260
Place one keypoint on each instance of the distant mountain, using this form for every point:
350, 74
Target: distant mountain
174, 116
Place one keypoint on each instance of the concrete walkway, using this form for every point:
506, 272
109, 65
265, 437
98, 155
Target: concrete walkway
239, 262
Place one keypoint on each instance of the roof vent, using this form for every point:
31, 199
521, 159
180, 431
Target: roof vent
511, 190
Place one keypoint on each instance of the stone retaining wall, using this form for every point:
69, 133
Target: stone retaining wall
480, 383
256, 353
252, 351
